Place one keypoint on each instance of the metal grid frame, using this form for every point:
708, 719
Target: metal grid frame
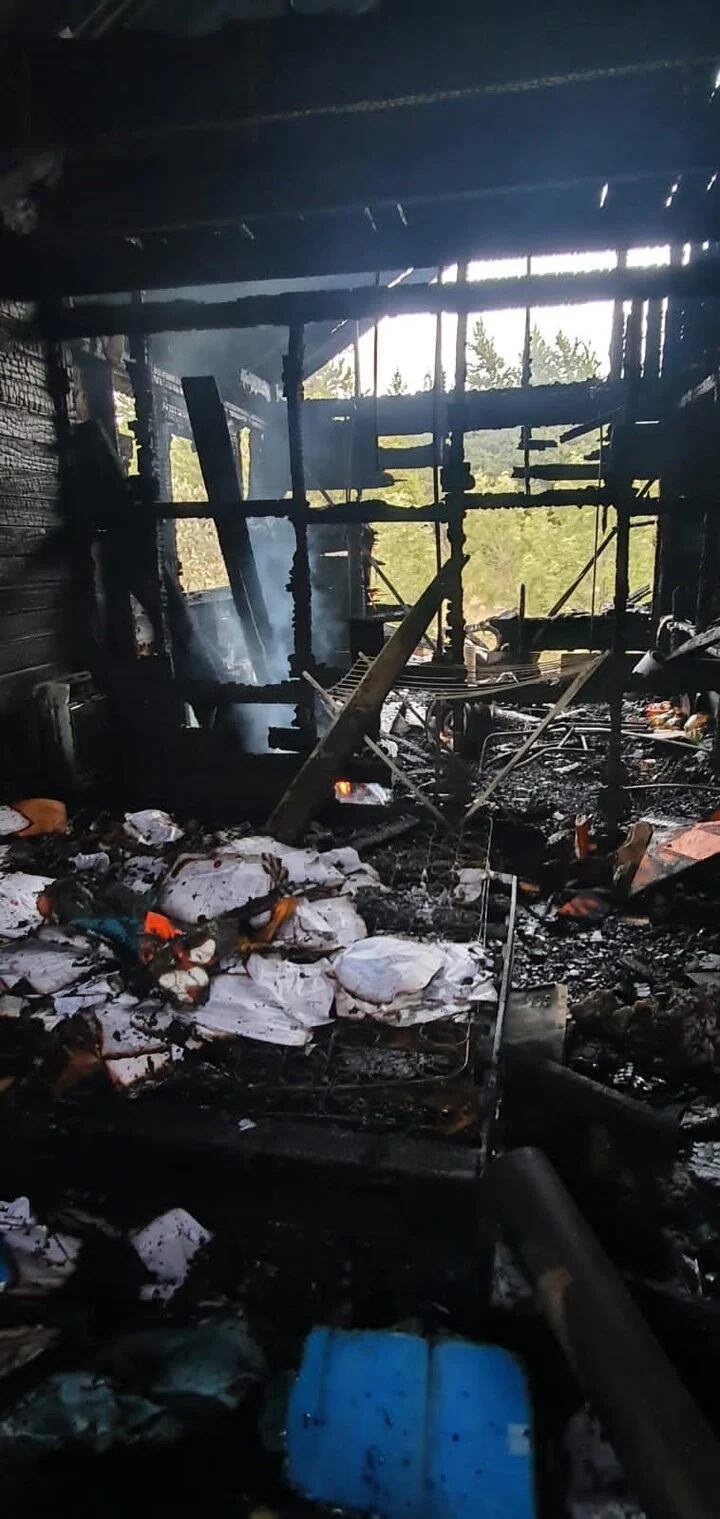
365, 1073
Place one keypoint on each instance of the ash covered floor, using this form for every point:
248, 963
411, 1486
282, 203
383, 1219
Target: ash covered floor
172, 996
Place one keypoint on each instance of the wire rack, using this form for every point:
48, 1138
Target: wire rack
366, 1073
436, 681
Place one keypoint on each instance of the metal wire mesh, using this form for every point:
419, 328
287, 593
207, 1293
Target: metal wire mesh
436, 681
364, 1072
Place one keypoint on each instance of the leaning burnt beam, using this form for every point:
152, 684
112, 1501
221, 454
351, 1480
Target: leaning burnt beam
219, 471
291, 308
311, 786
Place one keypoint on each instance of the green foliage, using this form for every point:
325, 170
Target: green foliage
397, 386
564, 362
202, 566
542, 549
124, 416
486, 368
336, 378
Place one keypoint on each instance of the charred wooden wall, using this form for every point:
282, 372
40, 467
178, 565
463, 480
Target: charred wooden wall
37, 581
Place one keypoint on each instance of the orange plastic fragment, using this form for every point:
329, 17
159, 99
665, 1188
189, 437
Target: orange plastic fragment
160, 927
43, 814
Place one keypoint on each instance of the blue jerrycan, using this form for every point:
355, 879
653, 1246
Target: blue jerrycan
398, 1426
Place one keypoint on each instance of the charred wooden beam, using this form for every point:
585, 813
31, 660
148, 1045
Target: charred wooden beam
592, 131
491, 223
133, 85
384, 511
299, 584
669, 1453
291, 308
300, 572
146, 435
311, 786
563, 1091
222, 483
556, 472
456, 480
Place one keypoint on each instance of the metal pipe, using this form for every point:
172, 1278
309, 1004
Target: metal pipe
667, 1449
291, 308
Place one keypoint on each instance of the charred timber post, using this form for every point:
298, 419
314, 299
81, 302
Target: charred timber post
615, 797
299, 587
457, 479
141, 379
668, 1451
707, 571
310, 788
290, 308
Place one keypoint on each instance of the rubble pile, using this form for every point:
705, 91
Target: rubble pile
157, 961
130, 948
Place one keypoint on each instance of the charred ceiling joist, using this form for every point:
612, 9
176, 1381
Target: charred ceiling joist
692, 281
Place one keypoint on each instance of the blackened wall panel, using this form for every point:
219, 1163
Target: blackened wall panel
39, 608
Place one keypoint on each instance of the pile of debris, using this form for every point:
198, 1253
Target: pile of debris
128, 947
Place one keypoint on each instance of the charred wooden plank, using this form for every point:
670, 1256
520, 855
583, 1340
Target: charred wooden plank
311, 785
291, 308
222, 483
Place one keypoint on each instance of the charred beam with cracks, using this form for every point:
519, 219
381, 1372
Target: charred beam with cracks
385, 511
291, 309
456, 480
311, 787
141, 379
667, 1449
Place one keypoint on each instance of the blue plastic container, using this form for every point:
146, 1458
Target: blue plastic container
394, 1425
